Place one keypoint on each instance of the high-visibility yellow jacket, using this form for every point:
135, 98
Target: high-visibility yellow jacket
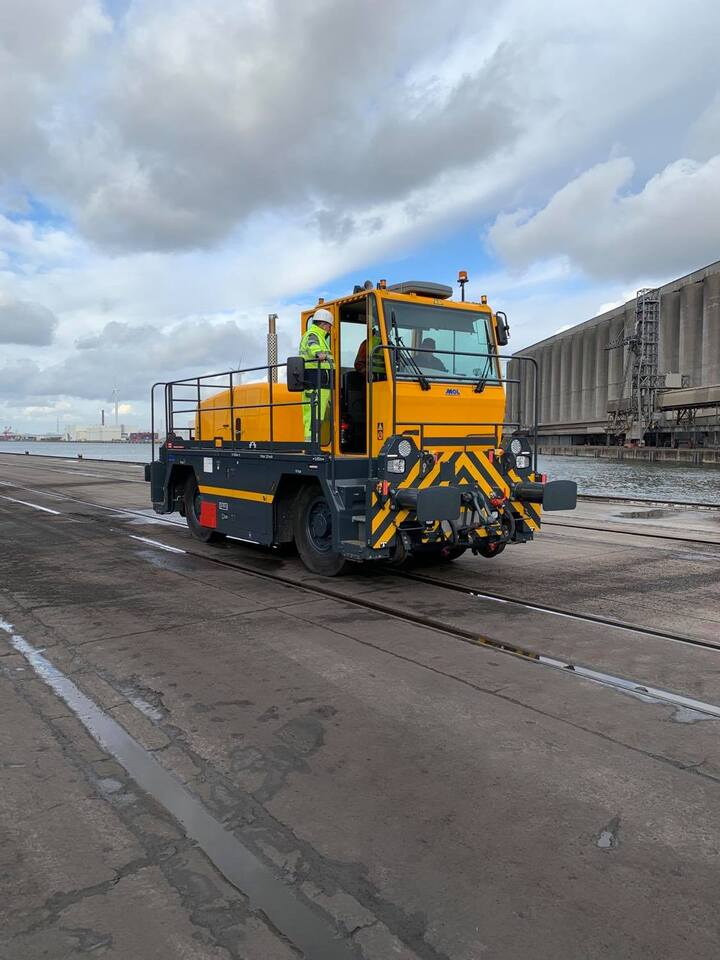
315, 341
378, 358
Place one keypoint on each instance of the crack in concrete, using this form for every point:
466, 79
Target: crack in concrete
49, 913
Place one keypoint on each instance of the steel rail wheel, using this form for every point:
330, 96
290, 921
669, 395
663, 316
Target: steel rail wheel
490, 550
455, 553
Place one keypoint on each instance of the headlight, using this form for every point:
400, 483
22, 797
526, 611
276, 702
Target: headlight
404, 448
396, 466
515, 446
522, 462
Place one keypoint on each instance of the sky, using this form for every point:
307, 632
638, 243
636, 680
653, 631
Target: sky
173, 171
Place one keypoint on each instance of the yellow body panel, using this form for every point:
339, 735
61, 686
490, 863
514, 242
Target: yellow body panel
446, 410
249, 406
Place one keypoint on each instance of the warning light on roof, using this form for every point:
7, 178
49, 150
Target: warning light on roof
382, 284
483, 300
462, 280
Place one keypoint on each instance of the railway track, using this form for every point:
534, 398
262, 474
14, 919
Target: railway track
556, 611
328, 590
587, 497
646, 502
546, 523
407, 575
632, 533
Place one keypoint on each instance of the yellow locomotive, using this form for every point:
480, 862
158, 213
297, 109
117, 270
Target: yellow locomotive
408, 453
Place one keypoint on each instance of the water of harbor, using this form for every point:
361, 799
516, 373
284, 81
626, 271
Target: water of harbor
653, 481
128, 452
637, 478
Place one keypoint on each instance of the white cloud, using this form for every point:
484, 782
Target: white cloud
26, 323
131, 357
208, 162
606, 229
41, 44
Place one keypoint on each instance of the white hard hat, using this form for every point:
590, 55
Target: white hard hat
323, 316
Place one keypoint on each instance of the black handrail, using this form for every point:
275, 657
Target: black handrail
196, 385
316, 442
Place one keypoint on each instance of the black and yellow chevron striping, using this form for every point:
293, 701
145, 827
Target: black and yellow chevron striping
469, 467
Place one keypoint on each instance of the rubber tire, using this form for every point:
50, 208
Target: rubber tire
399, 556
435, 556
204, 534
455, 553
490, 555
325, 563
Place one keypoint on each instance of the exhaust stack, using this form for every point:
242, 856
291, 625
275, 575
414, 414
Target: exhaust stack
272, 347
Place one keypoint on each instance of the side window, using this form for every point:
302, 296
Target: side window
352, 334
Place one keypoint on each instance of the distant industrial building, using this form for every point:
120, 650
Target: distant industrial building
98, 433
646, 372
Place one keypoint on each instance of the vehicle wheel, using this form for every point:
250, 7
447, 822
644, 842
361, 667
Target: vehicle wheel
454, 553
192, 499
312, 526
491, 550
437, 554
398, 554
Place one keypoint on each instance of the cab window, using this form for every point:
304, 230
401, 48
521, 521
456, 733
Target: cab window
430, 335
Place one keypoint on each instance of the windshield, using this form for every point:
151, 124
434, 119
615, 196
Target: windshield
425, 331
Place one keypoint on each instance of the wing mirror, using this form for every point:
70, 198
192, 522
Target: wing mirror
295, 374
299, 378
502, 328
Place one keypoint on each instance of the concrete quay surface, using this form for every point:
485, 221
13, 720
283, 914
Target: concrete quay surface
410, 795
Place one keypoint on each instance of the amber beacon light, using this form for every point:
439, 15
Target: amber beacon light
462, 280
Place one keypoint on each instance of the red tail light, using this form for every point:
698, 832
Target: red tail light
543, 478
491, 456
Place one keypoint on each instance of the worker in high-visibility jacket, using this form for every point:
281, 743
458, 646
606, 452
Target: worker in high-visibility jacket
378, 357
316, 351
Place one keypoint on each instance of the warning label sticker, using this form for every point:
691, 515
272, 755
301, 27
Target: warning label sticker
207, 464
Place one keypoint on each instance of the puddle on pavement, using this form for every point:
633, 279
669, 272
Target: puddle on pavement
608, 838
655, 513
149, 517
109, 785
686, 715
267, 893
147, 708
640, 691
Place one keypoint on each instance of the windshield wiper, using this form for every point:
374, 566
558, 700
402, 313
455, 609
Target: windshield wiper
483, 377
407, 355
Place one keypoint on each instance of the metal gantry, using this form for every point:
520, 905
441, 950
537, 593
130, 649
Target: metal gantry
636, 410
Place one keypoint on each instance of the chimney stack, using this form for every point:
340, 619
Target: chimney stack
272, 347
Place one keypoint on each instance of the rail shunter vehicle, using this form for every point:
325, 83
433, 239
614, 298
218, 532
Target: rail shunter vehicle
412, 454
